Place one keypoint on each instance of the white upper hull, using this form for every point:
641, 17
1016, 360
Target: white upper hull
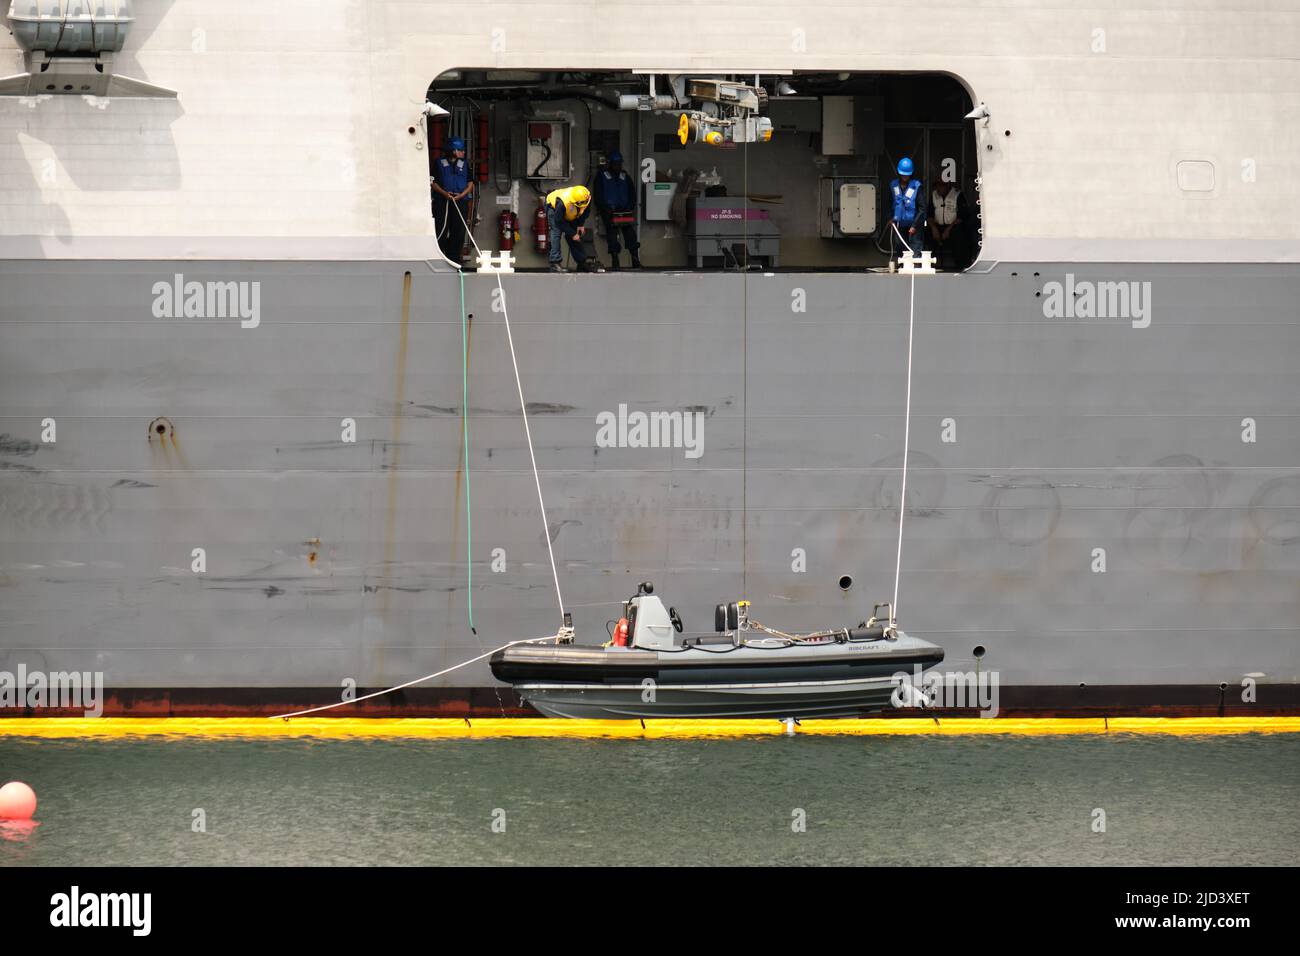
289, 137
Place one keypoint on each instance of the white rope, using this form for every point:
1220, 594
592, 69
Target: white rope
523, 410
545, 528
907, 431
412, 683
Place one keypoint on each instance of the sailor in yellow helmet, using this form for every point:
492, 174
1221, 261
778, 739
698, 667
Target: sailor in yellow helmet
566, 214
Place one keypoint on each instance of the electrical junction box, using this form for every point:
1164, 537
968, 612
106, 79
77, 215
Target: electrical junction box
846, 208
837, 126
852, 125
795, 114
540, 149
659, 201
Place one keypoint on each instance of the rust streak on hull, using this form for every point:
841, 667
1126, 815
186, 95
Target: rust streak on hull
393, 463
461, 466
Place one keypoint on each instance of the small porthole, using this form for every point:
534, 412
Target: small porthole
846, 582
978, 651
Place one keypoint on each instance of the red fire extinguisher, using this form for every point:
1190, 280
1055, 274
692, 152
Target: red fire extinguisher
509, 225
541, 229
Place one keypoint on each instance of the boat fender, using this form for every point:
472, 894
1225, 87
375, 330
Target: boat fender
720, 618
873, 633
620, 633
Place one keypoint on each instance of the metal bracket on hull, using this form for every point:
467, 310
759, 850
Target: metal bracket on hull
76, 75
68, 50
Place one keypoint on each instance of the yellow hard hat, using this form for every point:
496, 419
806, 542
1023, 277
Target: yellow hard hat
581, 195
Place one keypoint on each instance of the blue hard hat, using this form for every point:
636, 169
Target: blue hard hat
615, 156
905, 166
456, 143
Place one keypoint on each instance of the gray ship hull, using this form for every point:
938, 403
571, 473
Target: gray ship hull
1082, 501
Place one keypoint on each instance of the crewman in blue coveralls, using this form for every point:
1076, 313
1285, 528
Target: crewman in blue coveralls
451, 189
909, 208
615, 196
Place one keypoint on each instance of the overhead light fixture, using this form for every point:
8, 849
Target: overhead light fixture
784, 89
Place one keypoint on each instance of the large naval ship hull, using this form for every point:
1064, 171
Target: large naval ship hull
1084, 502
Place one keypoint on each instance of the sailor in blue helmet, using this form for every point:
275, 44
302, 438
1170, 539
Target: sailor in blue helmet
451, 189
909, 208
615, 196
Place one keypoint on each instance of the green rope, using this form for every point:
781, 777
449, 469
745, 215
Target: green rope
464, 430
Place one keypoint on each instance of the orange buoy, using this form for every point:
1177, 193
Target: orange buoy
17, 801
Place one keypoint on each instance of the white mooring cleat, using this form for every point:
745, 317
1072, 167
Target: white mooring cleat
922, 265
502, 262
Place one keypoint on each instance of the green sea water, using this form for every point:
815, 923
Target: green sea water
768, 800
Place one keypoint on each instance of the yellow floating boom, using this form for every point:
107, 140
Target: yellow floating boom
343, 728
